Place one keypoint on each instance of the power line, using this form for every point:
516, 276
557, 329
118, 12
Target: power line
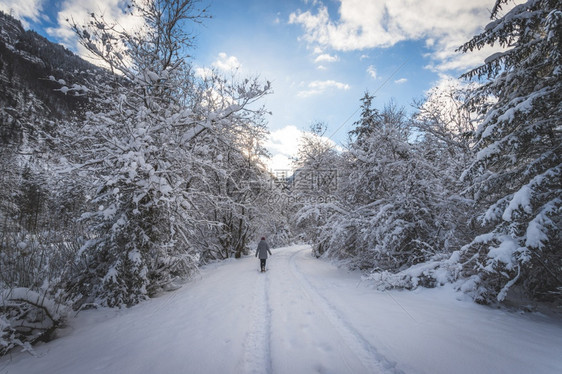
377, 90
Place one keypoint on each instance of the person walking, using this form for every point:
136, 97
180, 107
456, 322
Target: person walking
262, 251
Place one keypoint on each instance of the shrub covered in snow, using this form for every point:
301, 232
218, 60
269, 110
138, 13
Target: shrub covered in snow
26, 317
32, 298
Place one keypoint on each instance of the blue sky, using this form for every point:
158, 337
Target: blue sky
320, 55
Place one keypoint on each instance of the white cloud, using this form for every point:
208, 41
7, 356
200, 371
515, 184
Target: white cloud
444, 25
325, 57
279, 163
447, 59
79, 11
22, 9
319, 87
372, 71
226, 63
283, 145
203, 72
284, 140
400, 81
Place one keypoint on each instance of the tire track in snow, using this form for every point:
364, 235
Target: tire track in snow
370, 357
257, 347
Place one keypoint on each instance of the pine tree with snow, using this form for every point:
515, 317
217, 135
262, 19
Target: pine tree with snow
391, 208
399, 201
516, 175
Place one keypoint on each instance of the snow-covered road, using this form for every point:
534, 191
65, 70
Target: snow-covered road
302, 316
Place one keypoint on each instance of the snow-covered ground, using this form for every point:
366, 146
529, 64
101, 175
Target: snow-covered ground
302, 316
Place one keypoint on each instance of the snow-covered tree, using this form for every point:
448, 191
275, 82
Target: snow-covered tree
389, 203
444, 116
229, 156
445, 127
395, 194
314, 185
516, 175
147, 150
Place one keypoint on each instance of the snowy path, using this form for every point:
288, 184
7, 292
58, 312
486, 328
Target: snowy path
325, 342
302, 316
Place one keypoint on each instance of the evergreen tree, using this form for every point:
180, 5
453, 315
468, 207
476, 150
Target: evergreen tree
390, 209
516, 176
395, 194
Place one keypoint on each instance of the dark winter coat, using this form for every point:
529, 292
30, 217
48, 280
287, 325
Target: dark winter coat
262, 250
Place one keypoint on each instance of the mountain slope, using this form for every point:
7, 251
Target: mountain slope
32, 72
302, 316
